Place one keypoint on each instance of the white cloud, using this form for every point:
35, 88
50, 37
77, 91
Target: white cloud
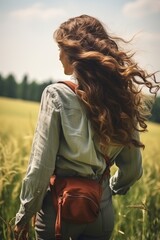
38, 11
141, 8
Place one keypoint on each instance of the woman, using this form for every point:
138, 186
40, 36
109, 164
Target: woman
76, 130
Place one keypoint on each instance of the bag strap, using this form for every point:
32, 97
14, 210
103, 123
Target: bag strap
58, 223
106, 172
70, 84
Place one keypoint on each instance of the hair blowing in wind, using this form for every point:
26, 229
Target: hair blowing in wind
109, 80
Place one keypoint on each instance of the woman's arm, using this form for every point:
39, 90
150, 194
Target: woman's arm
43, 157
129, 163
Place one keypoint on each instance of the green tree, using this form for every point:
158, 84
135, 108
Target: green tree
156, 111
24, 88
10, 87
2, 82
33, 91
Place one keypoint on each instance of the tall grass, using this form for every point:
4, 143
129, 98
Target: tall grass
136, 214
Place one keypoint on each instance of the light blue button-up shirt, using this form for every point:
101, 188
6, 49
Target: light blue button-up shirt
64, 139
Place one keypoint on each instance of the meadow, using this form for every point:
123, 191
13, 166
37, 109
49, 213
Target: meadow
137, 214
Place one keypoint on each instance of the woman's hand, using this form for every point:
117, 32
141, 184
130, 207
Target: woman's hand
21, 233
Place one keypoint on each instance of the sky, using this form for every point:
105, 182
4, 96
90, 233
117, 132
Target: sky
27, 26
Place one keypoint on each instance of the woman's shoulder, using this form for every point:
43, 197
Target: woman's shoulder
63, 93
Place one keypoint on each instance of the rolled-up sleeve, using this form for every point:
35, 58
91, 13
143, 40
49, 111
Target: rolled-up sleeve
43, 156
129, 163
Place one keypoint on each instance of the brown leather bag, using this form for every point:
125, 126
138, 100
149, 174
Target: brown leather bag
76, 199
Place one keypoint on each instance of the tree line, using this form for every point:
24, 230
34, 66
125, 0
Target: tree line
25, 90
32, 91
155, 117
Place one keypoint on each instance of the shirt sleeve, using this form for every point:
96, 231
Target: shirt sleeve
129, 163
43, 157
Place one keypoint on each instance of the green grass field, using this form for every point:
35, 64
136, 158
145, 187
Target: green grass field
137, 214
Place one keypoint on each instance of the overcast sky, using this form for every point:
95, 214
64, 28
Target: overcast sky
27, 26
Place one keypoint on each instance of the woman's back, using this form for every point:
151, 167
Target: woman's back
78, 151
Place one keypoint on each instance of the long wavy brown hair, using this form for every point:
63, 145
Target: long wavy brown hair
110, 81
